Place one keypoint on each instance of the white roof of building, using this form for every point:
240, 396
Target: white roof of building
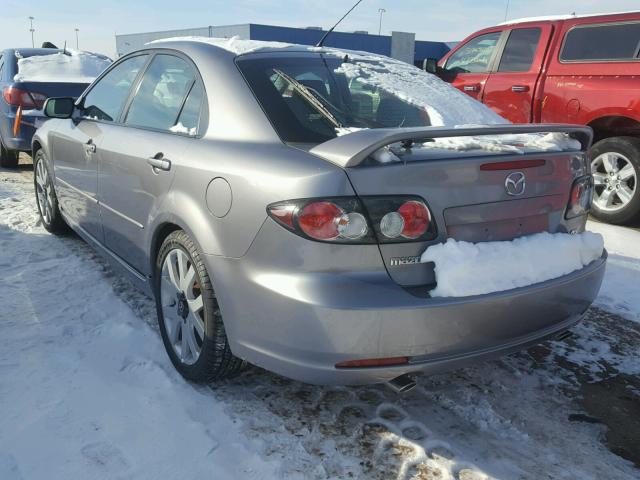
561, 17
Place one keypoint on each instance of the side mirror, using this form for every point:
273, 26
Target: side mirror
61, 107
430, 65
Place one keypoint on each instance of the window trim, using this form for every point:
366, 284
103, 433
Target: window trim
594, 25
203, 120
491, 65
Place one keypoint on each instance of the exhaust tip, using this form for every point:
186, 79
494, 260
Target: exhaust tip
402, 384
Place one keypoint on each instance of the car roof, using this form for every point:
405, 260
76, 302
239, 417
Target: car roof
552, 18
236, 46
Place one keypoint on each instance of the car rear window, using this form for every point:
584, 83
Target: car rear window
282, 86
588, 43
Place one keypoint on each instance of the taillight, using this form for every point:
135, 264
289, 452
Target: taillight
338, 220
398, 219
390, 219
580, 197
320, 220
23, 98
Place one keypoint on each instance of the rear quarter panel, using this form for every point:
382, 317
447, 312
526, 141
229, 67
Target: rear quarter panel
581, 92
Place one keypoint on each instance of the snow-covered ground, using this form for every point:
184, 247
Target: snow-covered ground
87, 392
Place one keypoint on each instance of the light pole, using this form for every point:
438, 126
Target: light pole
381, 11
77, 43
31, 29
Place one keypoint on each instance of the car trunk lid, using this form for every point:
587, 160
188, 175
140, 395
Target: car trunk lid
474, 195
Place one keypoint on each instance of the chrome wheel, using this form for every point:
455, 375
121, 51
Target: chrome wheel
44, 192
182, 306
615, 181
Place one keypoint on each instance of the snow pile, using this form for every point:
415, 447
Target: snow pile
234, 44
71, 66
509, 143
444, 104
180, 128
463, 268
340, 131
619, 292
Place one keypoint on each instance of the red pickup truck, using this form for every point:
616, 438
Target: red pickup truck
583, 70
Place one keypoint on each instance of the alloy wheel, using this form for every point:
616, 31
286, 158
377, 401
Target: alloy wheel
43, 192
182, 306
615, 181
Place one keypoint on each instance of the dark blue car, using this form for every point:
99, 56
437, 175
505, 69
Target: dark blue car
28, 97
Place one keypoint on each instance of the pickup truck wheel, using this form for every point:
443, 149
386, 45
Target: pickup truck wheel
615, 165
189, 315
8, 158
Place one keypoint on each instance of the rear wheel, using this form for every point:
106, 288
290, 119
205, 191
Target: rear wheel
615, 165
189, 315
46, 195
8, 158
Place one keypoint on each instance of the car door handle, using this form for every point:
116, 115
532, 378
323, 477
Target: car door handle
519, 88
471, 88
159, 163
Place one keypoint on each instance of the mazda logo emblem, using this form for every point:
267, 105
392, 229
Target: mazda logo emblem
515, 184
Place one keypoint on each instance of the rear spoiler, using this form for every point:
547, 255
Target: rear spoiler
352, 149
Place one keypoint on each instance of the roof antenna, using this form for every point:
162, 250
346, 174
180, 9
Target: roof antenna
321, 42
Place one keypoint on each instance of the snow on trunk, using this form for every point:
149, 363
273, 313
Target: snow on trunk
71, 66
463, 268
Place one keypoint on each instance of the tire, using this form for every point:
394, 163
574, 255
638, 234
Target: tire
46, 197
8, 158
615, 165
180, 329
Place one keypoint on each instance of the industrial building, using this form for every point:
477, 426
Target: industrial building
400, 45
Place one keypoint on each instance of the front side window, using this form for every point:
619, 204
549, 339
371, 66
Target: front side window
520, 50
602, 42
161, 96
474, 56
106, 99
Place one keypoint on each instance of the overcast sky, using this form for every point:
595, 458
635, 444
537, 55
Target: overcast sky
99, 21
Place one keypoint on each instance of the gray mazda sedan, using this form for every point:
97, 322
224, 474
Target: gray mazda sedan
281, 202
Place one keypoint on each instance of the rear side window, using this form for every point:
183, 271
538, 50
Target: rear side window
189, 119
520, 50
474, 57
106, 99
602, 42
162, 93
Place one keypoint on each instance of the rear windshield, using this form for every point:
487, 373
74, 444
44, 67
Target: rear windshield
313, 98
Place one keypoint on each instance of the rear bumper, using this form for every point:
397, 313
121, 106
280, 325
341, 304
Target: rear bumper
301, 324
21, 142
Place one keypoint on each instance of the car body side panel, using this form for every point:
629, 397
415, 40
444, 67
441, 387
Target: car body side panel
256, 175
511, 94
130, 191
75, 165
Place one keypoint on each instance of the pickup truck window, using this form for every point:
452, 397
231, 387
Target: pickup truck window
520, 50
475, 55
589, 43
